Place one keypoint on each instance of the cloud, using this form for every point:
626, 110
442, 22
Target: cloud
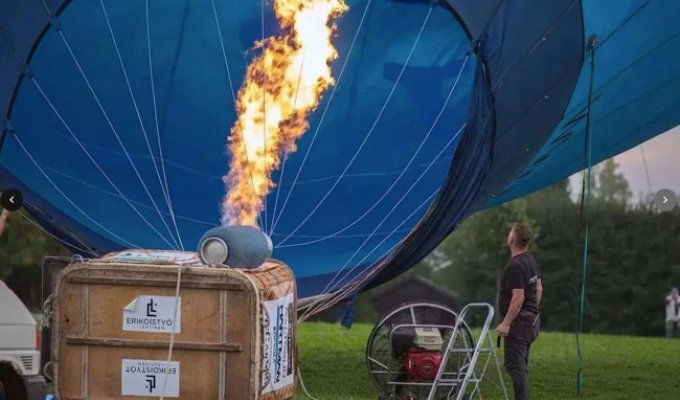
663, 163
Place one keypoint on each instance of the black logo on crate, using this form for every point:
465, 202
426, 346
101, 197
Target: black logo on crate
290, 349
151, 309
266, 379
265, 317
150, 382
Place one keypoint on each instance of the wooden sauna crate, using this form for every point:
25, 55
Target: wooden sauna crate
234, 336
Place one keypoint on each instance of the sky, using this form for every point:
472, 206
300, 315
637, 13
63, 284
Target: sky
663, 161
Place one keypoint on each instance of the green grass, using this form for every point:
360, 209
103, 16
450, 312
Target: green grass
616, 367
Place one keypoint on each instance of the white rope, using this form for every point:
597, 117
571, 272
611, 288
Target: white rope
199, 221
394, 184
278, 192
145, 157
323, 115
304, 388
347, 236
172, 333
155, 111
264, 117
370, 132
94, 162
37, 225
164, 190
115, 132
233, 96
403, 197
356, 175
58, 189
644, 161
285, 156
323, 301
137, 203
219, 178
328, 288
204, 222
224, 51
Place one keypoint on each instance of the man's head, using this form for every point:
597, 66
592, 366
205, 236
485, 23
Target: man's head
519, 236
674, 291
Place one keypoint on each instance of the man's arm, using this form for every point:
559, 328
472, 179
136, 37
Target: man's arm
3, 220
515, 306
539, 291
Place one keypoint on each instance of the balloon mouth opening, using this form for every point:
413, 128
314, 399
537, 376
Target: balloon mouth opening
270, 244
214, 250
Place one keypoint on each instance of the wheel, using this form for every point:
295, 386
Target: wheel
12, 386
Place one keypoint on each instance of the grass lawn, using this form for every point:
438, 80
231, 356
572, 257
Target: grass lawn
616, 367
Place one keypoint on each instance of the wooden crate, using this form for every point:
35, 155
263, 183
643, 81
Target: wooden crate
235, 335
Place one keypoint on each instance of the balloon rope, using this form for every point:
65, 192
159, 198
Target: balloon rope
394, 207
65, 243
115, 132
329, 301
164, 189
172, 333
369, 133
94, 162
233, 97
224, 52
155, 107
302, 385
580, 376
264, 117
403, 171
285, 155
644, 162
323, 115
68, 199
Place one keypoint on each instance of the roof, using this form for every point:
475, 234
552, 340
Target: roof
436, 289
13, 311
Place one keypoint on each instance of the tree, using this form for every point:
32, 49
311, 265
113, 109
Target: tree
559, 253
23, 244
632, 259
612, 187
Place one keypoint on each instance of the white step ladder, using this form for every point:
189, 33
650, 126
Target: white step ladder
468, 375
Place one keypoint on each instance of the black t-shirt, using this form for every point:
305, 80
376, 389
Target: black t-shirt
522, 272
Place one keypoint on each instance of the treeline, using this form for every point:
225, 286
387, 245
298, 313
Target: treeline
633, 257
22, 247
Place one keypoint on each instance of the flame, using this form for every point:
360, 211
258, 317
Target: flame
282, 87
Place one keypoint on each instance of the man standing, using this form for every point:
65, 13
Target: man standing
673, 314
3, 220
519, 299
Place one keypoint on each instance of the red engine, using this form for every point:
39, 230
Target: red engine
422, 366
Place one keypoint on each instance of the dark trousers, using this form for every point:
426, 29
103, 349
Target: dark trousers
523, 332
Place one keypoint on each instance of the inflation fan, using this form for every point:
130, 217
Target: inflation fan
406, 348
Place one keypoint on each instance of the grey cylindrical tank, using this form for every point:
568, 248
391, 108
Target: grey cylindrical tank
235, 246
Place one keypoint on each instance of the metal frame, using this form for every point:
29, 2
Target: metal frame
473, 354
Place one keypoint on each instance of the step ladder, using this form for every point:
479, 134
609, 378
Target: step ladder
468, 374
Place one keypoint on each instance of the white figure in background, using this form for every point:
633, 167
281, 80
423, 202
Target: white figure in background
673, 314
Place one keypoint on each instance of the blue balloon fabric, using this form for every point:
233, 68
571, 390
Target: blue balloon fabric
114, 118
